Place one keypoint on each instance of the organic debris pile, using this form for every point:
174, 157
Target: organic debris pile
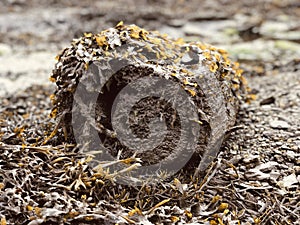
46, 180
122, 55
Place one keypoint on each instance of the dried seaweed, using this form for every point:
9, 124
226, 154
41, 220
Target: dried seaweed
42, 185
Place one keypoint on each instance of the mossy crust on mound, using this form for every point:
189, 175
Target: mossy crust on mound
214, 84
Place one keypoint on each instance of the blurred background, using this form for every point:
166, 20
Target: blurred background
260, 34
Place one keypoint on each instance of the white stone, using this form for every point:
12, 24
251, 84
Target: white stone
279, 124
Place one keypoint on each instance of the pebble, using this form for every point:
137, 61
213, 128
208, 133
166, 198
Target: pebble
285, 147
289, 180
279, 124
297, 143
5, 49
251, 158
291, 154
177, 23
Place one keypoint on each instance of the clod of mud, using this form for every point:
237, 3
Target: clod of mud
199, 104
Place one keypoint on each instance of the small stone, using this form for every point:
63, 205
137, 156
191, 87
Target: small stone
251, 158
289, 180
177, 23
285, 147
297, 143
267, 101
279, 124
5, 49
291, 154
274, 175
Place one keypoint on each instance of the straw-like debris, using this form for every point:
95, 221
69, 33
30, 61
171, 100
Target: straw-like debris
55, 185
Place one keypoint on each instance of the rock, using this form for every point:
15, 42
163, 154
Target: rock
279, 124
215, 31
5, 49
177, 22
288, 45
288, 181
268, 101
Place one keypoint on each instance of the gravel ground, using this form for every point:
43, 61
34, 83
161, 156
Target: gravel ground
254, 180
